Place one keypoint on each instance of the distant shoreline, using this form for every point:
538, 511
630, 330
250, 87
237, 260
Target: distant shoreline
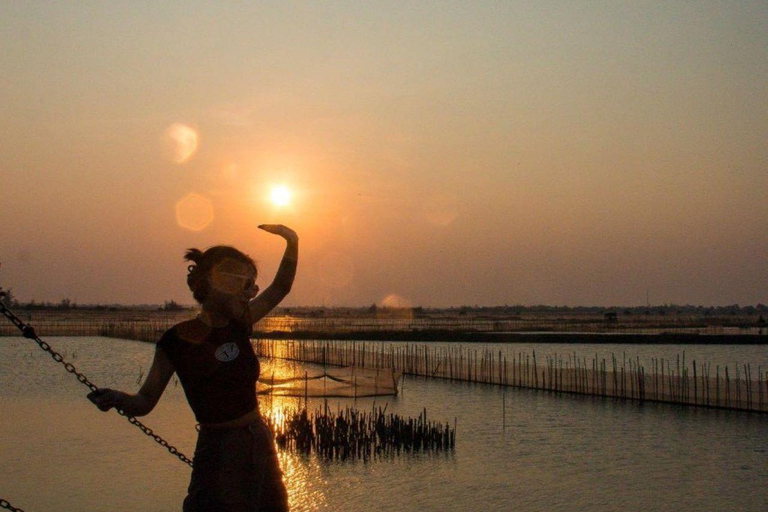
680, 329
522, 337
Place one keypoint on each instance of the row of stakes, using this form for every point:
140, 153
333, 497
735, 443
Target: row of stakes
351, 434
703, 384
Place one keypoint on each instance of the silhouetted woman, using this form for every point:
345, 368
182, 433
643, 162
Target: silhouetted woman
235, 465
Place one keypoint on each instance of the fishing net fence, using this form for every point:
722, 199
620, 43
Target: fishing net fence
349, 382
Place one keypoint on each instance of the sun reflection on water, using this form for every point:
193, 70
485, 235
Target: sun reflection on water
303, 479
301, 473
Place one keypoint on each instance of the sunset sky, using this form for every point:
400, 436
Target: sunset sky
431, 153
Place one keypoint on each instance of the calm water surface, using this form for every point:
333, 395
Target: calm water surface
546, 452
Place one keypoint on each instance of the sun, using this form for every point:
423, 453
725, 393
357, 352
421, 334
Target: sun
280, 195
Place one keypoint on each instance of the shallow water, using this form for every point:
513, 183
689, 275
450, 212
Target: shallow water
544, 452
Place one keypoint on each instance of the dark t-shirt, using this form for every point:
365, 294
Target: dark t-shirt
216, 366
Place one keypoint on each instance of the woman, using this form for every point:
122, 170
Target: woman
235, 465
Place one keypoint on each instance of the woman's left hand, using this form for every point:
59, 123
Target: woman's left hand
105, 398
280, 230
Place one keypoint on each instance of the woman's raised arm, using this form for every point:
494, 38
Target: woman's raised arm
266, 301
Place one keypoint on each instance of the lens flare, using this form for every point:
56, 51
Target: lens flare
181, 142
194, 212
394, 306
395, 301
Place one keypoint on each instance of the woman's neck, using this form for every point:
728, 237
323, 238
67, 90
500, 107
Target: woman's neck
213, 318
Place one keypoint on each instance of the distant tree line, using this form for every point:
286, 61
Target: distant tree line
7, 298
663, 309
10, 301
509, 311
520, 310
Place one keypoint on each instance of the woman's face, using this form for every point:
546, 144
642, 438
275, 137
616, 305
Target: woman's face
233, 284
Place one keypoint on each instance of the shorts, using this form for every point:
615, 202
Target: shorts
236, 470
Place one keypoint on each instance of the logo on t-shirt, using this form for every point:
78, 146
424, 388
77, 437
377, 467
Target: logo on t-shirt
227, 352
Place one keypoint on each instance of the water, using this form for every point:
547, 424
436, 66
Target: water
548, 452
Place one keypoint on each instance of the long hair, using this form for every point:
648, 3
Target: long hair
204, 262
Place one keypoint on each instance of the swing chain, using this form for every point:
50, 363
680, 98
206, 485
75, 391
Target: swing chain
6, 505
159, 440
29, 332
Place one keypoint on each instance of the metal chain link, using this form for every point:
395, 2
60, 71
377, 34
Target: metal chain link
6, 505
29, 332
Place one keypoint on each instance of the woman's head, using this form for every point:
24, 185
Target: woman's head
221, 268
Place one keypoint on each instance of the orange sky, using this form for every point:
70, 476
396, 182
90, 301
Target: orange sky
441, 153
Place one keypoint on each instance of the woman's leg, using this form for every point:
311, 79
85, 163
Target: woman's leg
204, 493
236, 470
221, 476
269, 492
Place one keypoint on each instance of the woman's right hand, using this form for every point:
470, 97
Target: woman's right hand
281, 230
105, 398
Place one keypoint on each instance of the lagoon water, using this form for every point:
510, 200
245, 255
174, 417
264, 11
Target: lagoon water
541, 452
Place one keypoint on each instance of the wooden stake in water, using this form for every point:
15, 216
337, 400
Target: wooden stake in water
504, 410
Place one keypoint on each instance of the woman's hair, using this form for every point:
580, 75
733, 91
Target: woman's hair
204, 262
